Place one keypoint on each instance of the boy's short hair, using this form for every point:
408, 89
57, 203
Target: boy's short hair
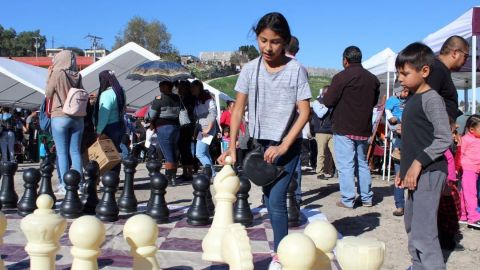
417, 55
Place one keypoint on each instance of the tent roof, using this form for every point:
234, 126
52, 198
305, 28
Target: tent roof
21, 85
122, 61
382, 65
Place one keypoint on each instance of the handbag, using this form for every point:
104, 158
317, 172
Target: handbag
183, 117
255, 168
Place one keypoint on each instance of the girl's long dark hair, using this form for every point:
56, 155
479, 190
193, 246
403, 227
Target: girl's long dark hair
107, 79
472, 122
204, 95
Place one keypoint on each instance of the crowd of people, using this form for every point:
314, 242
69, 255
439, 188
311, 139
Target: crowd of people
436, 164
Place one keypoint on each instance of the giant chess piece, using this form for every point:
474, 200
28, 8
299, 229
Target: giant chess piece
127, 201
71, 206
208, 198
293, 210
241, 210
153, 164
107, 209
236, 248
43, 230
8, 196
297, 251
87, 234
26, 205
324, 236
140, 232
157, 206
3, 228
46, 168
360, 253
198, 212
92, 173
226, 185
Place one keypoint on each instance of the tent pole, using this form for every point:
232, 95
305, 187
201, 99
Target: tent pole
474, 74
386, 131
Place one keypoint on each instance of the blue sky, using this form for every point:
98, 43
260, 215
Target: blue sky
324, 28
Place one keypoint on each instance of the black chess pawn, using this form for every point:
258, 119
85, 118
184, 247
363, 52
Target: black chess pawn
107, 208
71, 206
153, 165
46, 169
90, 198
127, 201
207, 171
198, 212
157, 206
27, 203
293, 210
8, 196
241, 210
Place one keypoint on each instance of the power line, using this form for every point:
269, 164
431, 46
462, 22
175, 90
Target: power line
94, 40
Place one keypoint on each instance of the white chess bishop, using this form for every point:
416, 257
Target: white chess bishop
43, 229
140, 232
87, 234
226, 185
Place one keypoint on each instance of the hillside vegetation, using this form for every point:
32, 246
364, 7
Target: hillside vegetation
227, 84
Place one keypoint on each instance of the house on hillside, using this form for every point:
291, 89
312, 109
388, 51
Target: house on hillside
216, 58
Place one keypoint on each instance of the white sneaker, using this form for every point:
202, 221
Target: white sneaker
275, 265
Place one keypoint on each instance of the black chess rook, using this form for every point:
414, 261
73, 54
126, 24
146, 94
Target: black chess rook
8, 196
198, 212
71, 206
157, 206
27, 204
107, 208
128, 202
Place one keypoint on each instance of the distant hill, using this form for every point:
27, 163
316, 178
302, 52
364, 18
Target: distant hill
325, 72
227, 84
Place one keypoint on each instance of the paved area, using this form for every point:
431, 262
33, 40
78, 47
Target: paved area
179, 243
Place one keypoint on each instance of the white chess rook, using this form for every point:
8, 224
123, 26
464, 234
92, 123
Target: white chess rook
360, 253
43, 230
87, 234
226, 185
3, 228
140, 232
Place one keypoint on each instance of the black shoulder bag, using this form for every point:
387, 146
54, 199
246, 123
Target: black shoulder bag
255, 168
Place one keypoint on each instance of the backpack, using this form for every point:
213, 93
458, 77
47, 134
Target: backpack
76, 101
43, 118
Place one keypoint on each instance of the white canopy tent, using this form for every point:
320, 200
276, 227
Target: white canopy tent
468, 27
382, 65
21, 85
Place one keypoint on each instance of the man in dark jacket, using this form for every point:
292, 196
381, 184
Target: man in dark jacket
352, 94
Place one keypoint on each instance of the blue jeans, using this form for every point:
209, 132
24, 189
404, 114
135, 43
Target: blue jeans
275, 194
398, 193
167, 136
298, 191
202, 153
351, 160
67, 134
115, 132
7, 144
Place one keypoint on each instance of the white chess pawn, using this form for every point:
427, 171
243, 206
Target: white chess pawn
3, 228
324, 235
359, 253
140, 232
236, 249
43, 229
226, 185
297, 251
87, 234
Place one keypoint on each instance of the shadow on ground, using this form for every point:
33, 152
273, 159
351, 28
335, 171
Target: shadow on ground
357, 225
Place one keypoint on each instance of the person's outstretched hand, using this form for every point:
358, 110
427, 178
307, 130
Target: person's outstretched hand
229, 152
273, 152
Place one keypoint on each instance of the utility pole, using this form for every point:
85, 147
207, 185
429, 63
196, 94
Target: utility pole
94, 40
37, 44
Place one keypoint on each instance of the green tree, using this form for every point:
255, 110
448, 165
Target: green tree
250, 51
21, 44
153, 36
